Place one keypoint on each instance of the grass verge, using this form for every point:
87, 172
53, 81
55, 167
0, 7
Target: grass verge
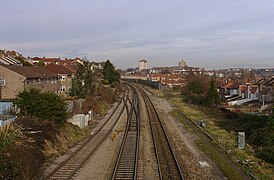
225, 140
212, 151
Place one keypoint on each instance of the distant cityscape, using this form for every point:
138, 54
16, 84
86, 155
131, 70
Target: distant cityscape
56, 74
236, 86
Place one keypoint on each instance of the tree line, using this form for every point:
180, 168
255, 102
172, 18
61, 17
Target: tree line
202, 90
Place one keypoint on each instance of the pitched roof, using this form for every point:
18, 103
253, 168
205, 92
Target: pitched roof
9, 61
32, 71
231, 85
175, 76
270, 82
157, 75
260, 81
169, 76
227, 84
57, 69
72, 68
45, 59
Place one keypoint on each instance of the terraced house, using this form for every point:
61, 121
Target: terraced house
14, 79
66, 75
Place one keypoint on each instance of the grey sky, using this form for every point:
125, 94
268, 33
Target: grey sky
210, 34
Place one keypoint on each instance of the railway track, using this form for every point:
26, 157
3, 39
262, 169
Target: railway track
127, 160
69, 168
168, 166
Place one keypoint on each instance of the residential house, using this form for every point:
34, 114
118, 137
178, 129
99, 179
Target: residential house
45, 60
268, 91
10, 61
243, 91
169, 80
173, 80
265, 89
249, 91
253, 92
66, 76
14, 79
231, 88
260, 83
157, 77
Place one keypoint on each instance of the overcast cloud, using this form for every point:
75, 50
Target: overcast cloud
210, 34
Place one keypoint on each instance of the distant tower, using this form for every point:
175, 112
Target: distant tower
182, 64
142, 64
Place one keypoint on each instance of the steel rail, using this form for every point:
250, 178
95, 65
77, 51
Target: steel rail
127, 160
151, 109
75, 168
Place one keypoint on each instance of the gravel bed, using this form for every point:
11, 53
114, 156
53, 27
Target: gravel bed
148, 168
54, 163
101, 164
194, 163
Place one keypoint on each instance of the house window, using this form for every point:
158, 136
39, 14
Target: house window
34, 82
63, 89
2, 82
63, 78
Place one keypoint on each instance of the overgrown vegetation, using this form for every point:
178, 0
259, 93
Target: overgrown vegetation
45, 105
110, 74
201, 90
23, 61
224, 127
212, 94
83, 83
21, 156
29, 142
259, 132
212, 151
102, 101
8, 133
259, 129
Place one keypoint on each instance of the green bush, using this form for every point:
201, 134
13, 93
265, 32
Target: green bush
266, 153
47, 105
259, 133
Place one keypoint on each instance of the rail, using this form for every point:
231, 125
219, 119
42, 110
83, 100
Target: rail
168, 166
127, 160
68, 168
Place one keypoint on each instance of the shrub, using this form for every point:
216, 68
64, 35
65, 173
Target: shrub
8, 133
47, 105
266, 153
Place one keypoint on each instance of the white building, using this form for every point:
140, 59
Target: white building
143, 64
182, 64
